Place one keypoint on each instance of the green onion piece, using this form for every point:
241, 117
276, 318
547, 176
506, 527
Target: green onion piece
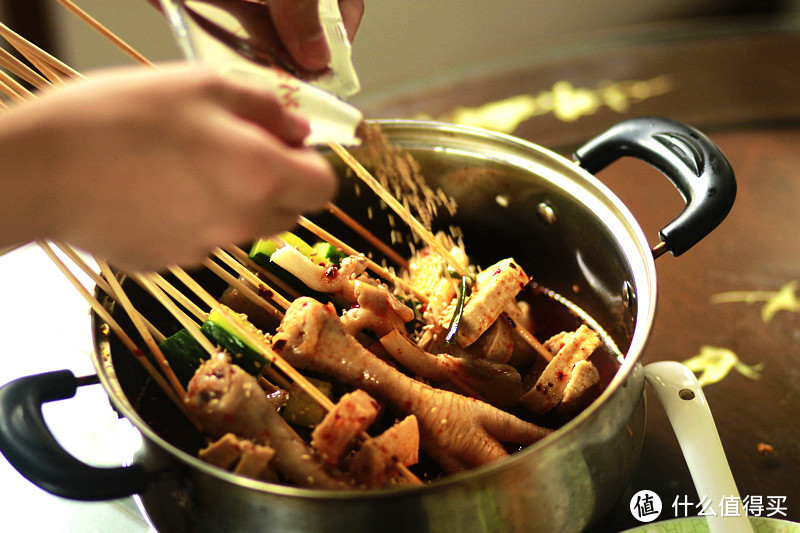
262, 249
452, 332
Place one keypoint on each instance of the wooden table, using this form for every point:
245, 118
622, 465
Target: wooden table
755, 249
741, 85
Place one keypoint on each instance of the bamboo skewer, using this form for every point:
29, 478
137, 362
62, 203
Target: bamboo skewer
57, 73
248, 336
368, 235
84, 266
273, 357
13, 89
349, 250
114, 326
397, 207
262, 288
179, 297
250, 294
159, 288
154, 282
56, 78
149, 283
36, 55
122, 298
8, 92
105, 32
243, 258
100, 282
18, 68
246, 290
240, 269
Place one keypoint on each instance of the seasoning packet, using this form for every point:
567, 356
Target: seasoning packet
239, 38
342, 79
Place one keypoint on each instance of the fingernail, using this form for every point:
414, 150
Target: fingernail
299, 128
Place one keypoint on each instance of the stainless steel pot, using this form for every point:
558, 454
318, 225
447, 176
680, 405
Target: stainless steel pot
515, 199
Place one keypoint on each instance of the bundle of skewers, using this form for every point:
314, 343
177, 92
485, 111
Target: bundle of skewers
325, 366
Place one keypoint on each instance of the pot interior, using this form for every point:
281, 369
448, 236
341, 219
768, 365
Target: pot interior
566, 230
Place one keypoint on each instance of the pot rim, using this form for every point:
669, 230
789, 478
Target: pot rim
644, 277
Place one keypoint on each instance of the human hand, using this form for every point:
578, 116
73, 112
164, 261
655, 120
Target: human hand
298, 25
152, 167
299, 28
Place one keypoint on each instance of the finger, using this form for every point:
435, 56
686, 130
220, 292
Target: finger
254, 104
289, 127
352, 12
155, 3
312, 182
262, 172
298, 25
278, 221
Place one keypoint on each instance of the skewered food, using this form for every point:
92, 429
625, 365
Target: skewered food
422, 368
226, 399
458, 431
361, 375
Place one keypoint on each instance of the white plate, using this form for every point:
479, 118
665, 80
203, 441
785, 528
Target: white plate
699, 525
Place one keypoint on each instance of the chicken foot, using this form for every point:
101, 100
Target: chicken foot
226, 399
458, 432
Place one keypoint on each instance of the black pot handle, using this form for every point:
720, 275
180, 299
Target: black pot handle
30, 447
691, 161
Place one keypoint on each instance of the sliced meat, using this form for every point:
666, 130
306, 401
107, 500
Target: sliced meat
223, 452
495, 288
458, 432
440, 299
427, 273
338, 431
569, 348
375, 309
582, 387
255, 461
376, 462
426, 268
241, 456
496, 344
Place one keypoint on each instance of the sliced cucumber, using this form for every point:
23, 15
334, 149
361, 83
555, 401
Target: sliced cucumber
327, 253
219, 329
303, 410
184, 354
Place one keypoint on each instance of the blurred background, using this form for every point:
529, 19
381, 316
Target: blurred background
572, 68
400, 45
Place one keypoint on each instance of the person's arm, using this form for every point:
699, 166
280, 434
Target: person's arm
153, 167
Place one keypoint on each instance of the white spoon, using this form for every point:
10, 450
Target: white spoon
682, 397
